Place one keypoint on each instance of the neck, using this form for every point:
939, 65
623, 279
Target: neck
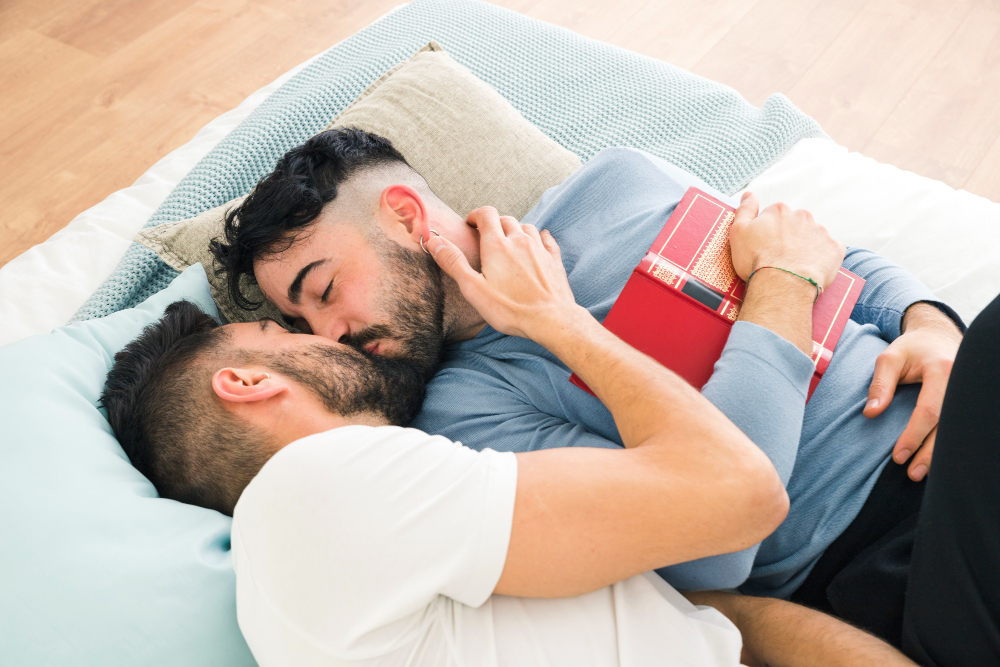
310, 420
461, 320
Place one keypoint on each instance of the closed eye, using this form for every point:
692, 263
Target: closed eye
326, 294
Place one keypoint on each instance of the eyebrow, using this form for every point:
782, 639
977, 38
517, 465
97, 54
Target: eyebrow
295, 289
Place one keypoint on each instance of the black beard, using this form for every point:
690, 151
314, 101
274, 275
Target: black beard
412, 296
351, 382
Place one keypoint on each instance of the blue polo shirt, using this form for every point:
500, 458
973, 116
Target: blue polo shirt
510, 394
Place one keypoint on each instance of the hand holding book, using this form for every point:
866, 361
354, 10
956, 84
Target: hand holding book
789, 256
779, 236
684, 296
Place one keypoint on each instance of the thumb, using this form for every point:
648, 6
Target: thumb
453, 262
748, 210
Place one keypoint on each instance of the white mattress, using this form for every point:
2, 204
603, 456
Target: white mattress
948, 238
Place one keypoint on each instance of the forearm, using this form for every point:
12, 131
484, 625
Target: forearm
645, 398
783, 303
689, 485
782, 634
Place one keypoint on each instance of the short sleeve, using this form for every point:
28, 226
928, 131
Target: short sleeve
346, 538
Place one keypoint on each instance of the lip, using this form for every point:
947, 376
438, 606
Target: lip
372, 348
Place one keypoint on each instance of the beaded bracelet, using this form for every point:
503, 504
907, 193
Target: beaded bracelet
819, 289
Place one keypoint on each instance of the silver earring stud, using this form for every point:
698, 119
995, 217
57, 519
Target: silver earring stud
266, 376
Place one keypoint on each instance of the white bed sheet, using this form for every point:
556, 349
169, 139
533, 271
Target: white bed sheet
948, 238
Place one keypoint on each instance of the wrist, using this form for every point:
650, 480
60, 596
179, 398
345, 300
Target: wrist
923, 315
782, 303
817, 287
781, 289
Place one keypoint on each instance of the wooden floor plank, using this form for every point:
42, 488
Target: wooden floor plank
592, 18
774, 44
95, 91
102, 27
945, 124
871, 65
141, 104
680, 31
37, 81
18, 15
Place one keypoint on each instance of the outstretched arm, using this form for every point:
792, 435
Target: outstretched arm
689, 484
777, 633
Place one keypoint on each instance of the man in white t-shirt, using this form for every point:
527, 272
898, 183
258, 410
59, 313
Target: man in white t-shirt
362, 543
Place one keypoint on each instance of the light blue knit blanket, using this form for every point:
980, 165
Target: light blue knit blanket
584, 94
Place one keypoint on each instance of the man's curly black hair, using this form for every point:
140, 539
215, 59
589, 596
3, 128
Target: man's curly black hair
291, 197
166, 417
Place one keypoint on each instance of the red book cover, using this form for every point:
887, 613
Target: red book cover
681, 301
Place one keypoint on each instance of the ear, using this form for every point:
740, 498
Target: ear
239, 385
403, 209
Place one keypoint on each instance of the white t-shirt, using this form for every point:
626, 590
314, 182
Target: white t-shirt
382, 547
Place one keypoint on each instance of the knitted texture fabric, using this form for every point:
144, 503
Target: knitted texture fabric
584, 94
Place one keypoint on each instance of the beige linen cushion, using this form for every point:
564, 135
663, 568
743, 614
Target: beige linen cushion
470, 145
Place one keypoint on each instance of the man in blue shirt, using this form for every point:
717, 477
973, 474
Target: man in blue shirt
336, 242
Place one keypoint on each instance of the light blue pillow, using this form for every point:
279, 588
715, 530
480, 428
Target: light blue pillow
95, 569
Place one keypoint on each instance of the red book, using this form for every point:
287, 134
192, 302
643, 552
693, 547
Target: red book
681, 301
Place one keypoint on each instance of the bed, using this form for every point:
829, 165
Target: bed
74, 603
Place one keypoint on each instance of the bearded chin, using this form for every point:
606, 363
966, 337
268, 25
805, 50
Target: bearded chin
412, 298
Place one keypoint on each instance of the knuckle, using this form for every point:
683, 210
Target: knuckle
877, 386
888, 356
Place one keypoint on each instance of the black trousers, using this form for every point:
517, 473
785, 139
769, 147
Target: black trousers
952, 610
920, 565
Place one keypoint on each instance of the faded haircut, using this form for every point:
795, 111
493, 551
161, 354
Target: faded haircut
289, 199
166, 417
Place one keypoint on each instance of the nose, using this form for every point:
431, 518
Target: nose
330, 327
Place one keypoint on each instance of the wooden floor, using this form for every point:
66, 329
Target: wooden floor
95, 91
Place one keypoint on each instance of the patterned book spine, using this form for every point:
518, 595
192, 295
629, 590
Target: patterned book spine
674, 277
693, 246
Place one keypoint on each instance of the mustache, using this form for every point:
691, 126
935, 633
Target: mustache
367, 335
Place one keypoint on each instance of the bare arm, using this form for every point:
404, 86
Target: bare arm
777, 633
689, 484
